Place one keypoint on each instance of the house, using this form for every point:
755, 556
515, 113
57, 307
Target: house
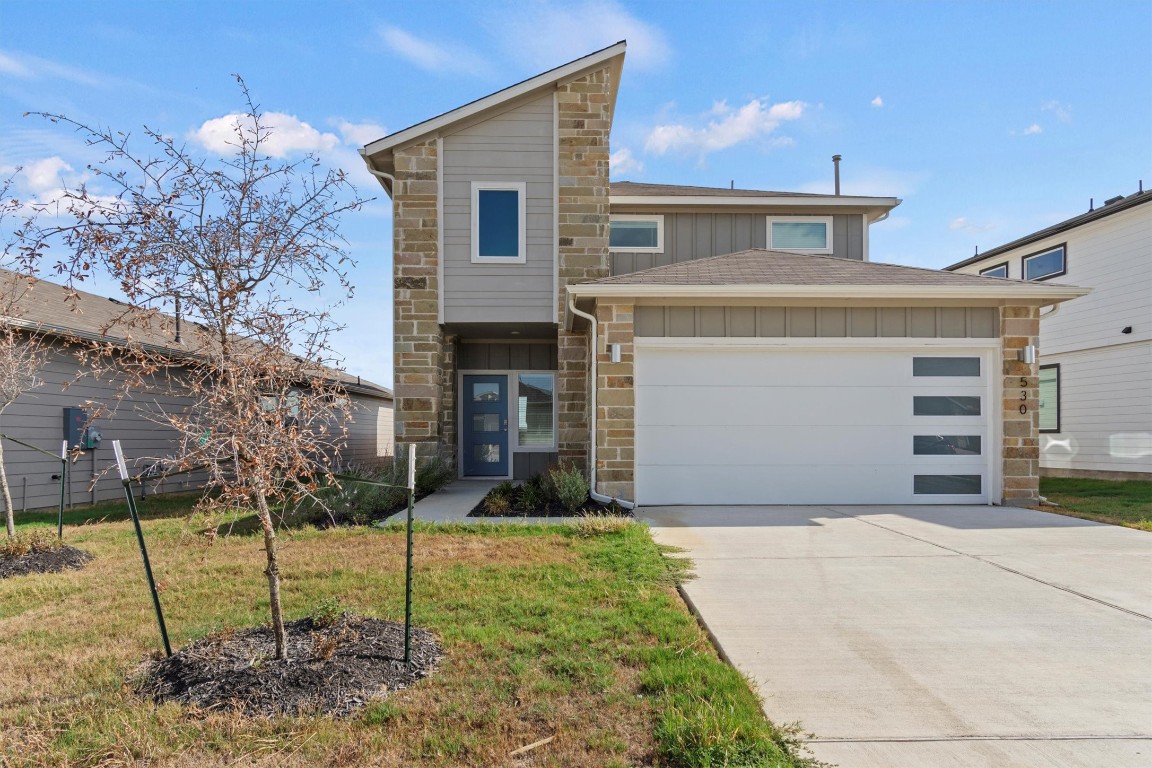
44, 415
700, 345
1095, 353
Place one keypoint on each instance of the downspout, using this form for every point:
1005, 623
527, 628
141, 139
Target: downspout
595, 351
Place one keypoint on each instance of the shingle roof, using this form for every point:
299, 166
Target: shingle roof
46, 307
637, 189
763, 267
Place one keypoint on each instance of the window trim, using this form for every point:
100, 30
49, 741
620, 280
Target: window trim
829, 236
1063, 247
1049, 431
521, 188
1003, 264
657, 217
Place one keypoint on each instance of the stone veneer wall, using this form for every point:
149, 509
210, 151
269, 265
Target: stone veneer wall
419, 350
615, 403
1020, 327
584, 121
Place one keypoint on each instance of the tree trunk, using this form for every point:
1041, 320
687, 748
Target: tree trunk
9, 515
273, 574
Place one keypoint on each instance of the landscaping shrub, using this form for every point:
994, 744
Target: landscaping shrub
570, 487
36, 540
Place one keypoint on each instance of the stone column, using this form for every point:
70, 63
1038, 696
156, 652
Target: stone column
615, 403
1019, 328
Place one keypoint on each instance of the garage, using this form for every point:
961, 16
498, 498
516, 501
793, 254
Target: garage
754, 423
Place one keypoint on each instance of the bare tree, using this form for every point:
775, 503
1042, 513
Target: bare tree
246, 249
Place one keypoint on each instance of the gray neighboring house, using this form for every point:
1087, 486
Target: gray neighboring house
684, 344
39, 416
1095, 353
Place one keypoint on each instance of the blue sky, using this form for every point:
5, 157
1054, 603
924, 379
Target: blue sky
989, 119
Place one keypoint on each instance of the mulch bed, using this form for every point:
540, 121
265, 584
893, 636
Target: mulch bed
332, 669
46, 561
548, 509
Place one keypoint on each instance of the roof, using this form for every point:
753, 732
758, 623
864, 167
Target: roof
638, 189
1123, 204
378, 153
763, 273
56, 310
629, 194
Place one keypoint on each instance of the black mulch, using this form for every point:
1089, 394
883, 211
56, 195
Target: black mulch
548, 509
47, 561
332, 669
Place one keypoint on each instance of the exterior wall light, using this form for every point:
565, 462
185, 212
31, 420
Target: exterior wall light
614, 351
1027, 354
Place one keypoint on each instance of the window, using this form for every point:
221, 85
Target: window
946, 484
1000, 270
498, 214
945, 366
637, 234
1046, 264
535, 412
946, 445
807, 234
1050, 398
934, 405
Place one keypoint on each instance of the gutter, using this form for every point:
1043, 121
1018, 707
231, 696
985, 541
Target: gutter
1043, 294
594, 353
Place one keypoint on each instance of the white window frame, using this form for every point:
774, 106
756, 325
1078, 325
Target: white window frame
826, 220
522, 189
656, 217
1062, 247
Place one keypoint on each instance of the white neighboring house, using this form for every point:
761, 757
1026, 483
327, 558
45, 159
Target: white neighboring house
1095, 351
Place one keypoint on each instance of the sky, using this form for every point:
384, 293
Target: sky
990, 120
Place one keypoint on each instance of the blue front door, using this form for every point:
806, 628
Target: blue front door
485, 425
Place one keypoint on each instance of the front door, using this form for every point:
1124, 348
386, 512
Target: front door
485, 425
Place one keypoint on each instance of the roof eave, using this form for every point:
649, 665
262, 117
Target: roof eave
1028, 293
782, 201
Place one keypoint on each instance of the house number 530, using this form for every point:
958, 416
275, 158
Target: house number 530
1023, 394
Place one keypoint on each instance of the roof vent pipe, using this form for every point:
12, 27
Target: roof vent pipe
836, 165
1091, 204
177, 339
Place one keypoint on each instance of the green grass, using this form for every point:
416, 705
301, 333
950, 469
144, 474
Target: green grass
1119, 502
548, 631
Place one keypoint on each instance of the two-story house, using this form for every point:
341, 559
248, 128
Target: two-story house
1096, 352
686, 345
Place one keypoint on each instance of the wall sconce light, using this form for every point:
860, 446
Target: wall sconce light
614, 351
1027, 354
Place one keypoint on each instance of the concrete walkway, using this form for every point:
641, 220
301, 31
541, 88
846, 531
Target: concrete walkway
453, 502
933, 636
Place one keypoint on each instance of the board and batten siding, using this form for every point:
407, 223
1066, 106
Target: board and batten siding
689, 236
818, 322
1105, 374
516, 145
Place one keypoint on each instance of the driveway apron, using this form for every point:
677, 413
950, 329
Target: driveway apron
932, 636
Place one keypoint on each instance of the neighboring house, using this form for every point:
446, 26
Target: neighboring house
1095, 353
699, 345
39, 417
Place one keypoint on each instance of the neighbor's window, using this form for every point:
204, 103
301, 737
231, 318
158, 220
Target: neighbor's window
498, 214
1041, 266
535, 395
1050, 398
639, 234
808, 234
1000, 270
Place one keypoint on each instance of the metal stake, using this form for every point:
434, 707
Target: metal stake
63, 480
408, 563
127, 481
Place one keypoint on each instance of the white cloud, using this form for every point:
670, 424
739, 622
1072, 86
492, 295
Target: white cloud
1063, 112
961, 224
10, 66
728, 128
1033, 129
288, 135
622, 161
877, 102
47, 175
435, 57
359, 134
551, 32
36, 68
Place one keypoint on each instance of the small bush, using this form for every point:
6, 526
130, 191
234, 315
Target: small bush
496, 504
36, 540
327, 612
570, 487
532, 494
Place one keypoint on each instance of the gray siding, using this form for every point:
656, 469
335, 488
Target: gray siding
689, 236
369, 431
819, 322
524, 465
507, 356
516, 145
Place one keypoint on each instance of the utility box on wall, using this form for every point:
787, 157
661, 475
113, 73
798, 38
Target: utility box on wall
75, 421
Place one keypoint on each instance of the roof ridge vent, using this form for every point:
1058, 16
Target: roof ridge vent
1116, 199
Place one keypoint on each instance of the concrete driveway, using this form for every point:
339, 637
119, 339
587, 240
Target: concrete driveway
932, 636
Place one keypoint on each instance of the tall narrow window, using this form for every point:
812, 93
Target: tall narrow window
498, 215
1050, 398
804, 234
534, 406
639, 234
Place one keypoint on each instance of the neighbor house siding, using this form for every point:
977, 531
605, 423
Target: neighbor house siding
369, 431
516, 145
818, 322
697, 235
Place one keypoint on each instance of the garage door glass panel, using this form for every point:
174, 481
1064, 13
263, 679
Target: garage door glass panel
945, 366
947, 484
946, 445
937, 405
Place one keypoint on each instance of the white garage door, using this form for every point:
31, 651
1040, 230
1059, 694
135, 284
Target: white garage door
746, 425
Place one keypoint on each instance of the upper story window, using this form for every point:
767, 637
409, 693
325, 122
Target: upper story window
805, 234
498, 215
1045, 264
638, 234
1000, 270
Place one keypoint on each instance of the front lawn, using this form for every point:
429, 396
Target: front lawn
1119, 502
563, 632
